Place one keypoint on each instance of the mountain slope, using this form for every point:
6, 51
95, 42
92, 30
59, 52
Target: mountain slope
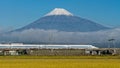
62, 20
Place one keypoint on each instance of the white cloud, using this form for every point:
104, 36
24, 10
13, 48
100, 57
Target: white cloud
54, 36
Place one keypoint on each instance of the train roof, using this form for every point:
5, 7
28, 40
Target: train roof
47, 46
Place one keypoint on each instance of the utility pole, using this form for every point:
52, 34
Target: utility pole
112, 40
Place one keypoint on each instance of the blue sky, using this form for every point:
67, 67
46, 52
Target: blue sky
18, 13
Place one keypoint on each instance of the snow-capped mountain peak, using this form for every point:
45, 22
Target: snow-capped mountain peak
59, 11
62, 20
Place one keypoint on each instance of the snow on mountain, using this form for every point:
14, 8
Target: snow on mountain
59, 11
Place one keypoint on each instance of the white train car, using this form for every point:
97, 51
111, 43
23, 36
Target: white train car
30, 46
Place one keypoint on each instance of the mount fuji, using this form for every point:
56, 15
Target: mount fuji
62, 20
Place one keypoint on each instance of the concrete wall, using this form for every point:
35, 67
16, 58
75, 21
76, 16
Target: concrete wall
59, 52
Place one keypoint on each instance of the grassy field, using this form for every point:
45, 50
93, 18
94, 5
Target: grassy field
59, 62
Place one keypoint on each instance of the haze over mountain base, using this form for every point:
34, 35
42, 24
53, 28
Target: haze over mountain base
38, 36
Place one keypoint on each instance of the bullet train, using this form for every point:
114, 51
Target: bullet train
43, 46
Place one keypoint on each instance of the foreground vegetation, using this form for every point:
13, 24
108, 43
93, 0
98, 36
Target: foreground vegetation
60, 57
59, 62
